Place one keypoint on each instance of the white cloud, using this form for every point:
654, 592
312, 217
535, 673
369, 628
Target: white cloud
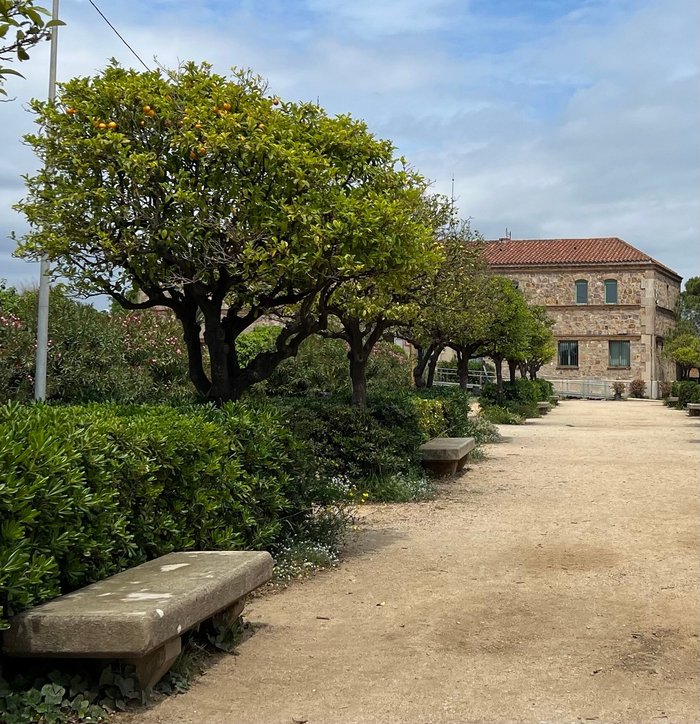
555, 121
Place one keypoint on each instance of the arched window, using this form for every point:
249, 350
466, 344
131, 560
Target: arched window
581, 291
610, 291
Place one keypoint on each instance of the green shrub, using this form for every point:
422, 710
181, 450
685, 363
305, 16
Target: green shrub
483, 431
520, 397
501, 415
665, 389
545, 390
92, 355
87, 491
455, 409
259, 339
321, 367
686, 391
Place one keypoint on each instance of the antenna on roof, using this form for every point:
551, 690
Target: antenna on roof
509, 234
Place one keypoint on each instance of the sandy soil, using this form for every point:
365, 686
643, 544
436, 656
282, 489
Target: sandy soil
556, 581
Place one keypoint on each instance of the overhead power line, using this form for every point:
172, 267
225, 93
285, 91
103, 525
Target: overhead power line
119, 35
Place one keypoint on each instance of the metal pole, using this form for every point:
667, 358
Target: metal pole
42, 326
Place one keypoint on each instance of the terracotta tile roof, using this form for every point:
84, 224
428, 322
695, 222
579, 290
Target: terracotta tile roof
526, 252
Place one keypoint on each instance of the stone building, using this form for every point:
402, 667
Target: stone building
611, 304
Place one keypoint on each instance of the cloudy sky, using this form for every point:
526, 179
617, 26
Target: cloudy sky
557, 118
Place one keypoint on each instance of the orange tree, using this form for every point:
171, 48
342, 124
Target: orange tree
213, 198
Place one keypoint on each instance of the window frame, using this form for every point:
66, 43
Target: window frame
581, 284
570, 345
623, 344
607, 283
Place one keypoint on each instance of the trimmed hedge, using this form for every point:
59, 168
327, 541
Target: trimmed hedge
86, 491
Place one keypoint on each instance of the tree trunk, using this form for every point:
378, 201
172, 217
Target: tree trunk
512, 369
215, 338
424, 355
191, 330
498, 361
463, 369
432, 366
358, 377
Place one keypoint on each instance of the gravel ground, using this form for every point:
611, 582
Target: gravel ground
556, 581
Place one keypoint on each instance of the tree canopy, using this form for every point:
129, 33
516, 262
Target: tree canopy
216, 199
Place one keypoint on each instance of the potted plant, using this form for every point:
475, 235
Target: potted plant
618, 388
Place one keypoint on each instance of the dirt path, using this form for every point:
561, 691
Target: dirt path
556, 581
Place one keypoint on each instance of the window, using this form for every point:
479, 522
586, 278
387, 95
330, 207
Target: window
581, 291
568, 354
611, 291
618, 353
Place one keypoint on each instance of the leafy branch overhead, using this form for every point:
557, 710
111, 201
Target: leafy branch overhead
22, 26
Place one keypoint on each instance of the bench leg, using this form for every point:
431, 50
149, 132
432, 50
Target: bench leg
229, 616
462, 462
151, 668
441, 467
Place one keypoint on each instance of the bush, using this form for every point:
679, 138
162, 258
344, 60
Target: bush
618, 388
665, 389
686, 391
455, 409
501, 416
637, 388
520, 397
88, 491
321, 367
93, 356
355, 444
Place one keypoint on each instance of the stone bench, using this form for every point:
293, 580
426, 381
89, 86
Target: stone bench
138, 615
543, 407
672, 400
446, 455
694, 408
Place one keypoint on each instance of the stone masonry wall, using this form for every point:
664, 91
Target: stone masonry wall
642, 315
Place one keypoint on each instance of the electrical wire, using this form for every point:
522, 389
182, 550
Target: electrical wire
119, 35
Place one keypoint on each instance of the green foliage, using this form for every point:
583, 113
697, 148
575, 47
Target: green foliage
92, 355
637, 388
215, 199
55, 702
23, 24
498, 415
682, 346
88, 491
689, 305
321, 368
256, 340
686, 391
455, 409
520, 397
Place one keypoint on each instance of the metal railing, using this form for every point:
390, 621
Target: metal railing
592, 389
448, 376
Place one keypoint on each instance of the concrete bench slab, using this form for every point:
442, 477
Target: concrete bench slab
138, 615
694, 408
672, 400
446, 455
543, 407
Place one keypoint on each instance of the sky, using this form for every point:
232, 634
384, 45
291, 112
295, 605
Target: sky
556, 118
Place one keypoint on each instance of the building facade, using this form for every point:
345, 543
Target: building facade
611, 304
